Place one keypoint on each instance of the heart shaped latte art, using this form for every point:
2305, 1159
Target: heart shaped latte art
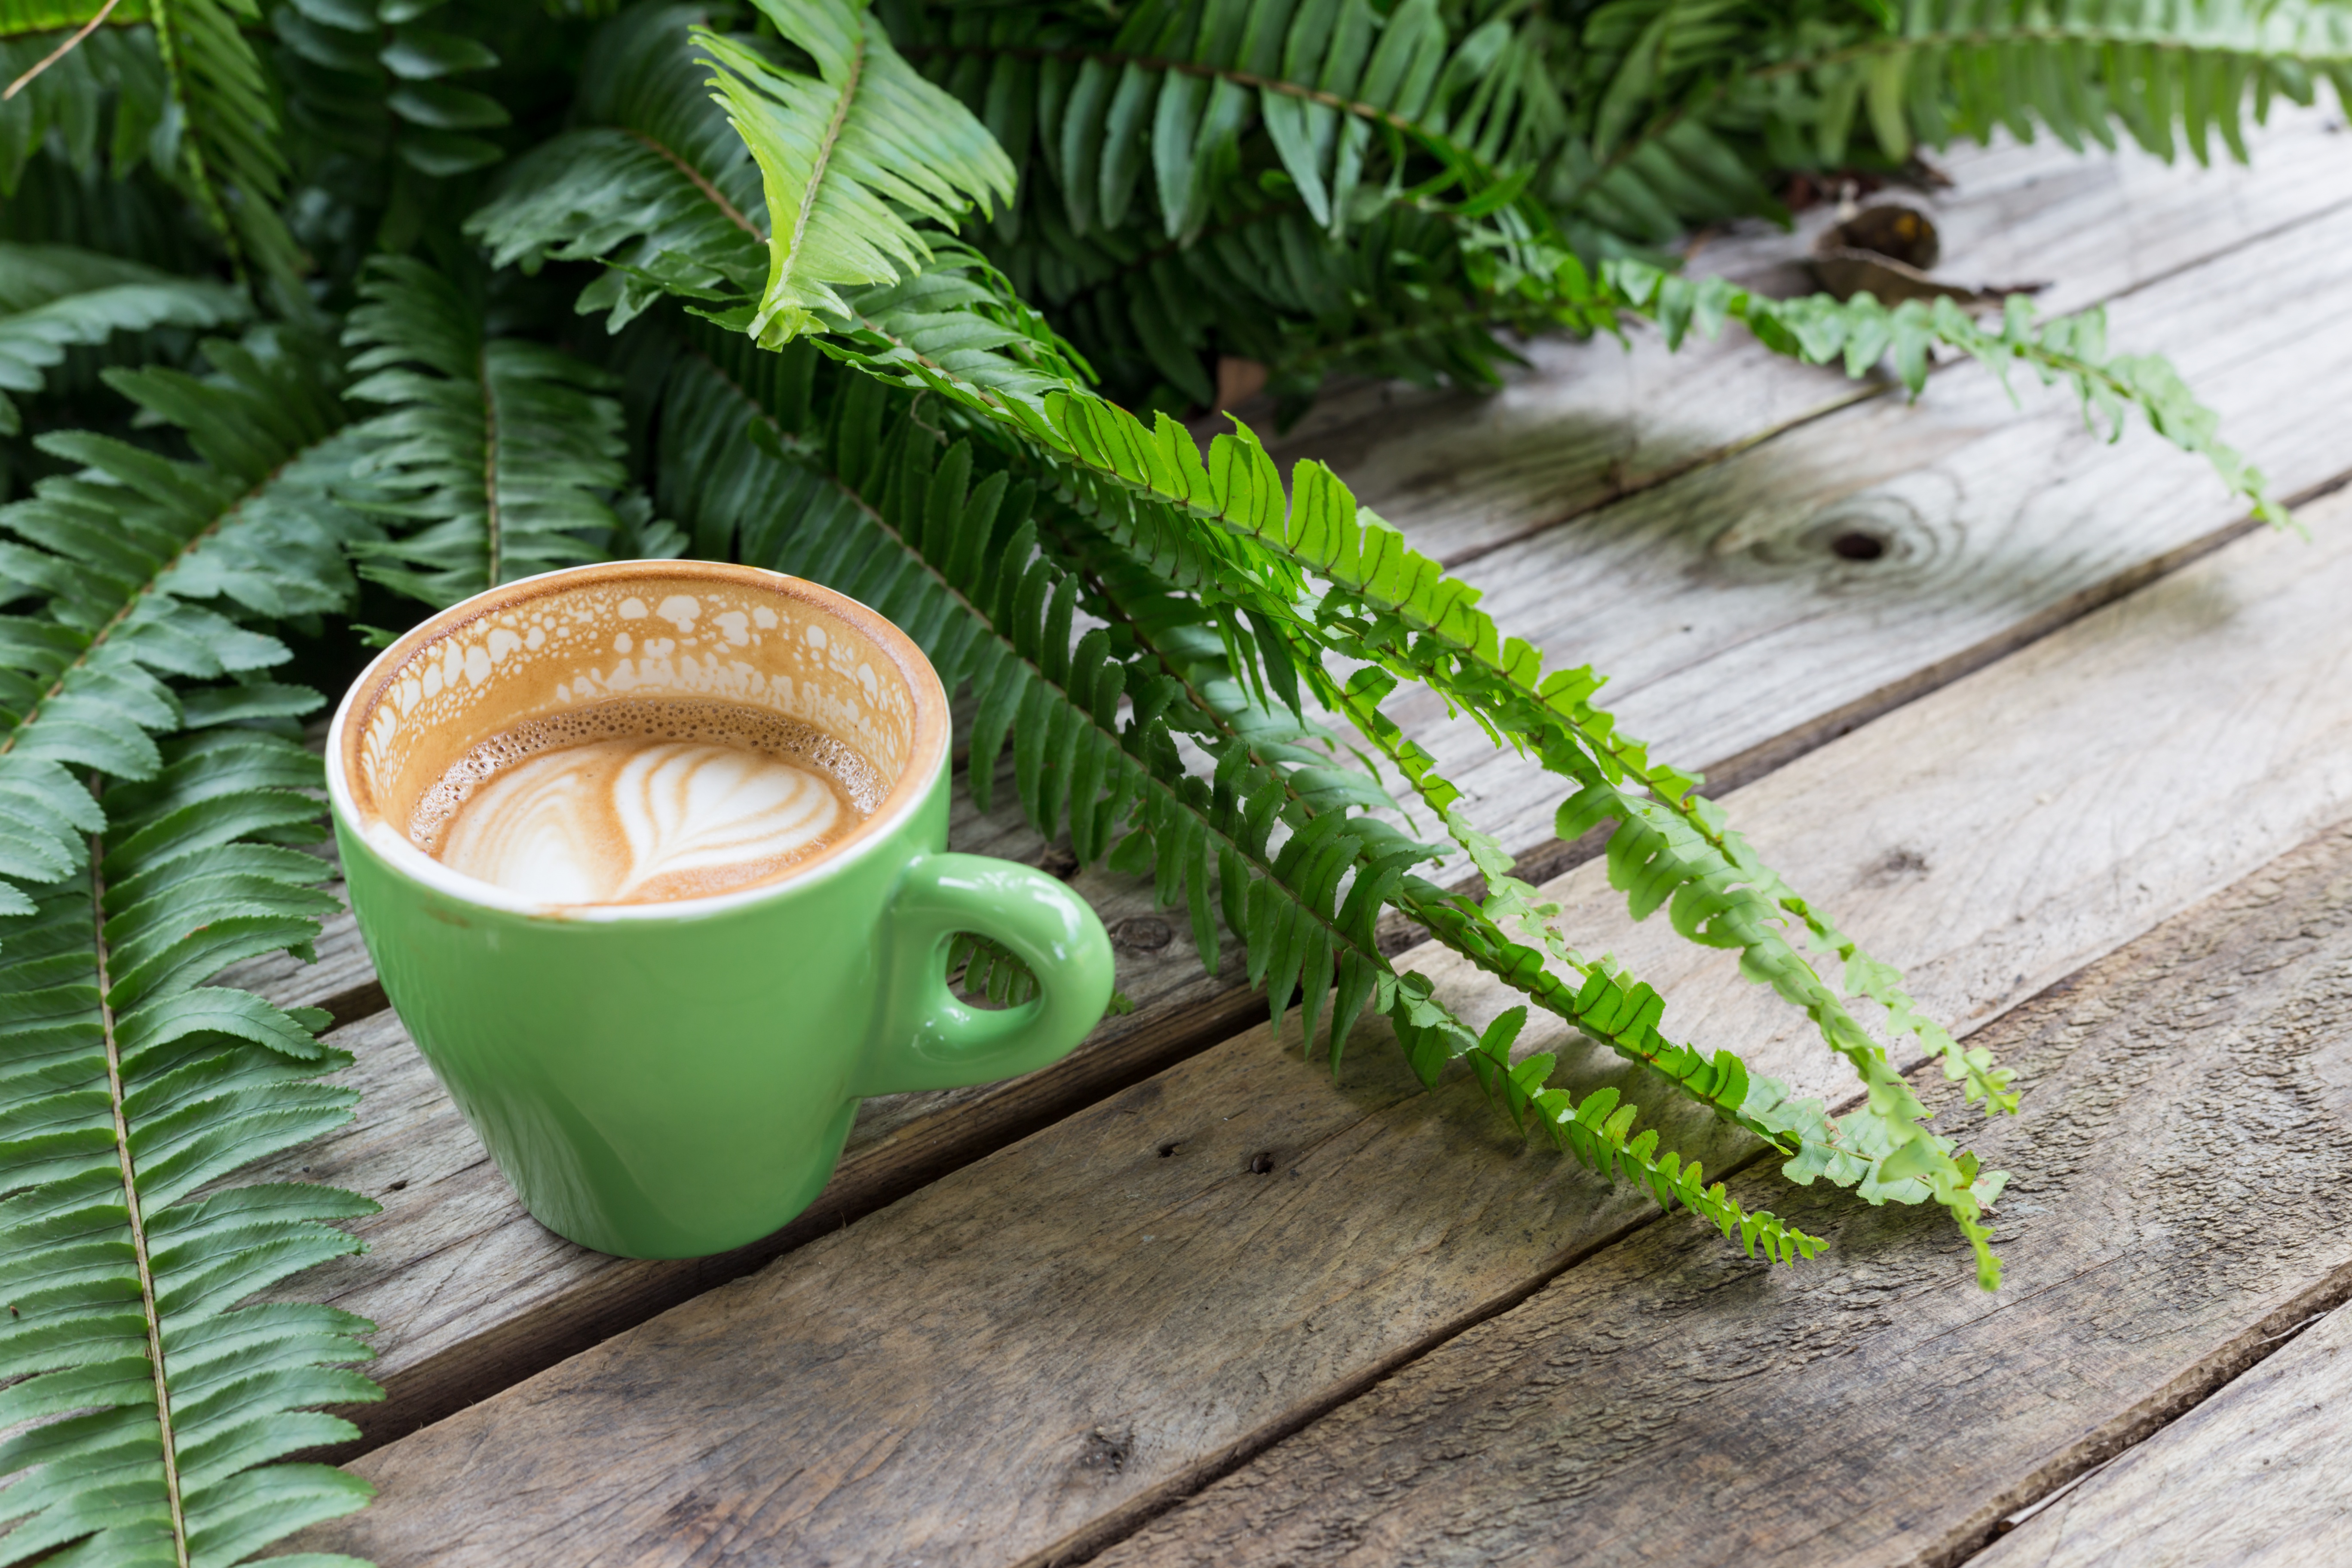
612, 821
685, 808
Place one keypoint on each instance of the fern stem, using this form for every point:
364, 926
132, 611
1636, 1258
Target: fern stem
847, 96
130, 1199
710, 192
490, 525
62, 51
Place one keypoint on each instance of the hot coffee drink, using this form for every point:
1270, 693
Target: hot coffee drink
652, 856
645, 799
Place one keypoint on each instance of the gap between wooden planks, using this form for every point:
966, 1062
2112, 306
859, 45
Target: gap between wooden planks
1036, 1353
472, 1295
2255, 1475
2185, 1141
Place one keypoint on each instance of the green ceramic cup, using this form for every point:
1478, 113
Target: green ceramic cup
673, 1080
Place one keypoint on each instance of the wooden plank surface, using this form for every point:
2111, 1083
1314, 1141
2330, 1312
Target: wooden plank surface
1048, 1346
473, 1295
2185, 1138
1717, 602
1466, 474
2259, 1474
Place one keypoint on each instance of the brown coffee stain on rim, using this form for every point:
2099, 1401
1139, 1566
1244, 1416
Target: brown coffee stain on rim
927, 748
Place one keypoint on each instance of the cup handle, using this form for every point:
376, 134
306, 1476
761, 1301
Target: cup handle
928, 1038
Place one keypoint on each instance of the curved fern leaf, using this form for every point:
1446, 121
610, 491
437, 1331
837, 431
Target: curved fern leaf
840, 153
149, 1407
502, 453
652, 180
52, 296
1272, 843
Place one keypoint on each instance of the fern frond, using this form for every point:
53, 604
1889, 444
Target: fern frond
53, 296
130, 557
1597, 1132
652, 180
229, 157
152, 1408
1965, 67
1392, 607
1860, 333
374, 100
840, 152
69, 93
1340, 89
503, 452
947, 545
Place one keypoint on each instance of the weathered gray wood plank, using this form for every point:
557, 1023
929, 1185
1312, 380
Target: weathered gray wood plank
2259, 1474
1584, 425
2186, 1134
1719, 605
1050, 1344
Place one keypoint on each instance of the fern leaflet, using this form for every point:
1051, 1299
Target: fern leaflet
134, 1088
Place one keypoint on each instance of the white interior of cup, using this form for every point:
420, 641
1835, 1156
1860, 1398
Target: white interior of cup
631, 629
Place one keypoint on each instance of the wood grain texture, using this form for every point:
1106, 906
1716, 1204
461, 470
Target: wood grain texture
1719, 605
2256, 1475
1041, 1349
2186, 1134
1583, 424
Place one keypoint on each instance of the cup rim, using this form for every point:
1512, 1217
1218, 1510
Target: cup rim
926, 756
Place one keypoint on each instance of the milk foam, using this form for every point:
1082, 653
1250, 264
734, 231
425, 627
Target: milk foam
632, 818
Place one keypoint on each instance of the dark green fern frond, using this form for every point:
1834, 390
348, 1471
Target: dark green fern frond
2170, 75
146, 801
1343, 92
53, 297
503, 453
228, 158
387, 117
69, 96
651, 181
365, 79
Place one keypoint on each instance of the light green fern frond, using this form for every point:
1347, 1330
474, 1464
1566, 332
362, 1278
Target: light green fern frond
842, 153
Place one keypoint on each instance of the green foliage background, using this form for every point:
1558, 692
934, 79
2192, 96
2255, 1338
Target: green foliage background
316, 317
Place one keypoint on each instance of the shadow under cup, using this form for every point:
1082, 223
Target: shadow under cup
667, 1079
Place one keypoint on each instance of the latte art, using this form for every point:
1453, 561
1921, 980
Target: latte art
633, 818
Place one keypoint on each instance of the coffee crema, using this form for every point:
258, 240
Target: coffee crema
643, 800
